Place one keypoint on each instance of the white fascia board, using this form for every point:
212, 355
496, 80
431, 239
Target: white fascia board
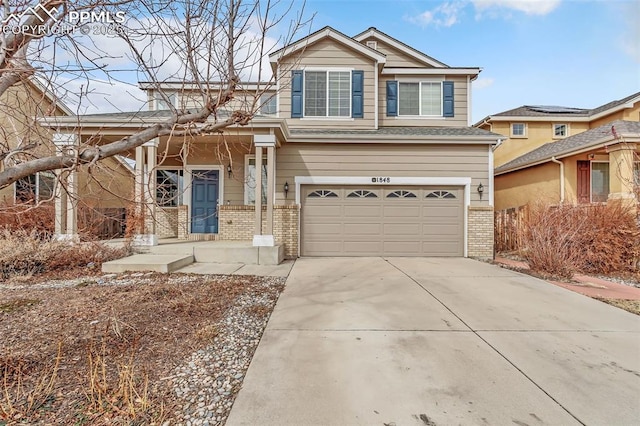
254, 85
431, 71
401, 47
328, 32
394, 139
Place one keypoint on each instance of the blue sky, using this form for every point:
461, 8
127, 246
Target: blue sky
532, 52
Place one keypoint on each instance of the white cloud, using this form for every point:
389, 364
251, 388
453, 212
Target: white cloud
445, 15
530, 7
482, 83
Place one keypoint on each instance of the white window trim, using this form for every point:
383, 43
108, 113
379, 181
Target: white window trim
184, 190
553, 130
366, 180
420, 116
327, 71
37, 186
591, 181
518, 136
157, 98
246, 189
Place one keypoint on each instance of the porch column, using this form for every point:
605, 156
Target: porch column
260, 142
145, 190
66, 191
621, 176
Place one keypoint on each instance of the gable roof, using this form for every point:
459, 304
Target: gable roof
327, 32
553, 112
602, 136
404, 48
45, 89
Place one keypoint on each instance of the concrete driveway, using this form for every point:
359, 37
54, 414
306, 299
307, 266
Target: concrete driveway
438, 341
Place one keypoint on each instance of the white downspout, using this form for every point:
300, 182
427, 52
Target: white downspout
375, 94
561, 178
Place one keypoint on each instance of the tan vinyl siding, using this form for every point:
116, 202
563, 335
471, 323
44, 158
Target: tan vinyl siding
460, 88
203, 154
327, 54
396, 58
310, 159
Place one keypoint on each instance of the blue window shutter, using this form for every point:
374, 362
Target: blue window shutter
296, 94
357, 94
392, 98
447, 98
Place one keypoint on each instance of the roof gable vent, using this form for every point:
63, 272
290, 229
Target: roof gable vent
372, 44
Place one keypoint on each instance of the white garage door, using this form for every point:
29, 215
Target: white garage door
382, 221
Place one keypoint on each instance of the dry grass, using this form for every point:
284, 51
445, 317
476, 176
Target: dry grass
98, 355
26, 254
597, 239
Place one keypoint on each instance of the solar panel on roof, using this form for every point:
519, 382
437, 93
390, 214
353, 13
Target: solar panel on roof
552, 109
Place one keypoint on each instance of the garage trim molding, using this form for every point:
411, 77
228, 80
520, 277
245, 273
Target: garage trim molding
368, 180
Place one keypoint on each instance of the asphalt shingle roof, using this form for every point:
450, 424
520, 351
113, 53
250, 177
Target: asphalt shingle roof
552, 110
571, 144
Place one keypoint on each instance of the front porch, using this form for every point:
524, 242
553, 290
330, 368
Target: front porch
211, 188
172, 254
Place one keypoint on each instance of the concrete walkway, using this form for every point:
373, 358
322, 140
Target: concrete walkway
406, 341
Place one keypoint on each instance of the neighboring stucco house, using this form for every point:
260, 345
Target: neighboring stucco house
529, 127
365, 149
595, 166
107, 185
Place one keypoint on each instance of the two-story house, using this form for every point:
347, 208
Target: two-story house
107, 187
566, 155
362, 148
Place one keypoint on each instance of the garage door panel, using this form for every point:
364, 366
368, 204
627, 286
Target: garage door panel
413, 221
393, 229
401, 211
353, 210
355, 229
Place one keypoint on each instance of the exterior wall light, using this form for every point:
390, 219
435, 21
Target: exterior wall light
286, 189
480, 190
229, 170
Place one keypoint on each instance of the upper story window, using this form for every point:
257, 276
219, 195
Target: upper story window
560, 130
420, 99
423, 98
518, 130
165, 104
268, 104
327, 94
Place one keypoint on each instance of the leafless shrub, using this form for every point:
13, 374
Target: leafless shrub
25, 253
600, 239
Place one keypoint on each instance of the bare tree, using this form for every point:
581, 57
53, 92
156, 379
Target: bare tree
213, 46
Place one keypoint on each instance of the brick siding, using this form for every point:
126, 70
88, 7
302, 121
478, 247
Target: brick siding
480, 232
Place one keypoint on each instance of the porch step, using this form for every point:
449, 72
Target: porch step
239, 253
148, 262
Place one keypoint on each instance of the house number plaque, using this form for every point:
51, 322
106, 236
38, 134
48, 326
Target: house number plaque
381, 180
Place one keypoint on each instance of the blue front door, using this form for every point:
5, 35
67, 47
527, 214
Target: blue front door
204, 202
